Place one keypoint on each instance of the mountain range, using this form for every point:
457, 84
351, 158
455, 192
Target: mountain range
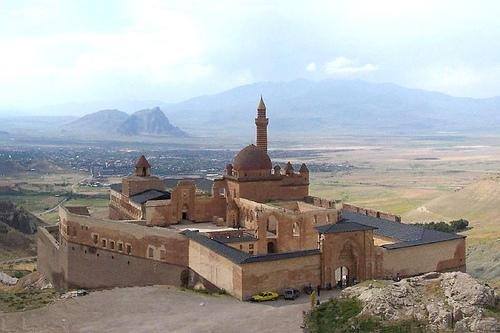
311, 108
337, 105
147, 122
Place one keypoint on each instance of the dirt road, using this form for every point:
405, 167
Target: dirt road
158, 309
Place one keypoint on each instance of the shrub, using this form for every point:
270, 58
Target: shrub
453, 226
342, 315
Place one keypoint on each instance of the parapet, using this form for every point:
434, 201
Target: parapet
371, 212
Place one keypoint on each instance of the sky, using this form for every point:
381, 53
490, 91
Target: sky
58, 51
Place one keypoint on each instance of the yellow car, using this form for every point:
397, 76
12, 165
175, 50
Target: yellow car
265, 296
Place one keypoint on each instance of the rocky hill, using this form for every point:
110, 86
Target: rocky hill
112, 123
149, 122
17, 231
446, 302
98, 122
18, 218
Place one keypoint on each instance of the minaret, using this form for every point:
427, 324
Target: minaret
261, 122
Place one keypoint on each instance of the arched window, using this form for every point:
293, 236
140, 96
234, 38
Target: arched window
272, 225
296, 229
327, 218
315, 218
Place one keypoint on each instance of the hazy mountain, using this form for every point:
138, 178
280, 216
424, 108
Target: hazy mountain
149, 122
118, 123
340, 105
299, 107
104, 121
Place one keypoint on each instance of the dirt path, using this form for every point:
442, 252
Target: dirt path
158, 309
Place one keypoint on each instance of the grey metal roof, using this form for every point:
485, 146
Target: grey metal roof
235, 239
406, 234
280, 256
147, 195
116, 187
240, 257
342, 226
224, 250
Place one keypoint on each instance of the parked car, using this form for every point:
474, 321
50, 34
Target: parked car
265, 296
291, 293
81, 292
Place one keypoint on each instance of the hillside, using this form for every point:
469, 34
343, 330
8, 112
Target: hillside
478, 202
341, 105
98, 122
111, 123
17, 229
9, 167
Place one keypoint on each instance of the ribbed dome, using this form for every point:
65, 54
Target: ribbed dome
252, 158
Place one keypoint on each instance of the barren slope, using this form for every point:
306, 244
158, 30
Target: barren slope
478, 202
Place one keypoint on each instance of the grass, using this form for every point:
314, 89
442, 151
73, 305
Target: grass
33, 202
492, 311
98, 202
25, 300
343, 315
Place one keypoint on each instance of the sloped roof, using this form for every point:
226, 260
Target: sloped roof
142, 162
342, 226
116, 187
235, 238
147, 195
240, 257
406, 234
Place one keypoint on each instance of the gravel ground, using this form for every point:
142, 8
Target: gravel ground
158, 309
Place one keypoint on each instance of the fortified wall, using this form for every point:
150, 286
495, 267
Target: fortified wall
113, 253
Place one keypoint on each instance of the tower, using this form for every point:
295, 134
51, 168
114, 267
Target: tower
142, 167
261, 123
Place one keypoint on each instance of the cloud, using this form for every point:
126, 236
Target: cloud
345, 66
311, 67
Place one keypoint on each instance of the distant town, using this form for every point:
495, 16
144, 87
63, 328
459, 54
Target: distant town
102, 163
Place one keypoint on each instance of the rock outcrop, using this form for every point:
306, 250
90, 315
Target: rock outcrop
445, 301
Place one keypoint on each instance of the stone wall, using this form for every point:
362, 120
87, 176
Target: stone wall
196, 208
215, 268
90, 267
52, 260
277, 275
295, 231
260, 190
134, 184
120, 207
124, 237
414, 260
371, 212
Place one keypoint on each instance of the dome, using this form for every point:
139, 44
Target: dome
252, 158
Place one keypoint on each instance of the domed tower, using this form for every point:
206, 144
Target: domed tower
261, 122
252, 162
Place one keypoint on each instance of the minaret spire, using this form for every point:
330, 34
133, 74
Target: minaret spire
261, 122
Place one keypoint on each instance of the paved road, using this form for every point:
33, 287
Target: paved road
158, 309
